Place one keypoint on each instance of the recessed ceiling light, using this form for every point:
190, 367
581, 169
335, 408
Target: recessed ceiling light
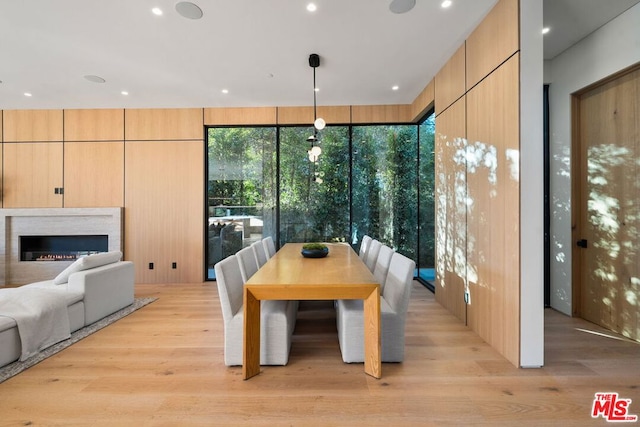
446, 3
395, 87
311, 7
545, 30
124, 92
401, 6
27, 94
225, 91
156, 11
189, 10
94, 79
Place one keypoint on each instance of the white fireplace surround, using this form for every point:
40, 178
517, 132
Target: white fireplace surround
50, 222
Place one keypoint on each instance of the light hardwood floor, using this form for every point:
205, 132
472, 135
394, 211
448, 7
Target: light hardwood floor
163, 366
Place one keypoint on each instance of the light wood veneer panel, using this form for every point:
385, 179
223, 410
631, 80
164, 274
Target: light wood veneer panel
94, 125
32, 125
164, 208
32, 170
493, 216
240, 116
450, 81
493, 41
423, 102
451, 227
93, 174
381, 114
304, 115
164, 124
607, 204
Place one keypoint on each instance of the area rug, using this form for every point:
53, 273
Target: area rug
15, 368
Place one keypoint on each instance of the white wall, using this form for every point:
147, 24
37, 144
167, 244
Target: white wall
531, 187
609, 49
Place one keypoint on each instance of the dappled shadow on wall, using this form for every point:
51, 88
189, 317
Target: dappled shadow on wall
561, 214
456, 246
612, 257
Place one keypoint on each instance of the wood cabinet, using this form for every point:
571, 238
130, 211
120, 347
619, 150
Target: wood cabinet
93, 174
167, 124
94, 125
31, 174
32, 125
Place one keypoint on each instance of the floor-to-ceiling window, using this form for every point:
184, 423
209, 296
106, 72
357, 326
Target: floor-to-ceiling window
385, 186
369, 179
426, 202
241, 189
314, 197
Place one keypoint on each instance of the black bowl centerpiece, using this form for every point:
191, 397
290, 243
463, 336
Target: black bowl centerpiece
314, 250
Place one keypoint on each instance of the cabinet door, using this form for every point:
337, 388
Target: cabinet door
93, 174
32, 173
164, 210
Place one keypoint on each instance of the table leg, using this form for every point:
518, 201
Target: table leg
372, 350
251, 345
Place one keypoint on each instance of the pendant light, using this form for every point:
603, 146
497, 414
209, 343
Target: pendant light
318, 122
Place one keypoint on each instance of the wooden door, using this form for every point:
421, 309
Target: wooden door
607, 276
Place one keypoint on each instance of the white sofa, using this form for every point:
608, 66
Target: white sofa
94, 287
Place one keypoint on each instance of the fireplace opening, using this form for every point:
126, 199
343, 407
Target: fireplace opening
61, 248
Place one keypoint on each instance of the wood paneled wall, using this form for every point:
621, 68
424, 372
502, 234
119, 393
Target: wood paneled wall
94, 174
32, 125
381, 114
164, 208
493, 215
451, 208
240, 116
164, 124
31, 172
494, 40
489, 158
94, 125
450, 81
423, 102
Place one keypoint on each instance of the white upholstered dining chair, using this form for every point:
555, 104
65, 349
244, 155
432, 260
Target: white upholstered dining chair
248, 262
394, 302
364, 246
269, 246
372, 254
382, 265
258, 250
277, 318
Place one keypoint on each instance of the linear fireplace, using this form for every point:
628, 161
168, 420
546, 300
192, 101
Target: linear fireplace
61, 248
67, 226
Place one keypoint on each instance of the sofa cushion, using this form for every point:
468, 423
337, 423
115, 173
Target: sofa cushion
87, 262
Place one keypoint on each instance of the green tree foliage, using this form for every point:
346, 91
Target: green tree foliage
382, 170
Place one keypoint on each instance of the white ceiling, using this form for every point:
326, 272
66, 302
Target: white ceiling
257, 49
570, 21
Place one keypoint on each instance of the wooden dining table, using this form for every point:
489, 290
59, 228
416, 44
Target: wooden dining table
290, 276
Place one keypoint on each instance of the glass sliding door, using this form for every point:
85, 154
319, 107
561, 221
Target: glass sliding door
314, 197
385, 186
241, 189
426, 220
